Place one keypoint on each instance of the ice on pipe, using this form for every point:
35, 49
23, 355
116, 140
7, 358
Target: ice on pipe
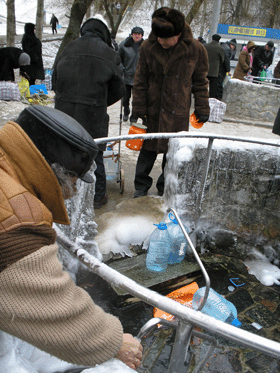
268, 274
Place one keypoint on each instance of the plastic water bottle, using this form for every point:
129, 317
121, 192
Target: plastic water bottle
178, 241
269, 74
216, 306
159, 249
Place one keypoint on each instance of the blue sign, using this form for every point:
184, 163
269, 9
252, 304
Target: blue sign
259, 32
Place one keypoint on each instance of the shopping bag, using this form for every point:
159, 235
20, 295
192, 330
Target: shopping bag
217, 110
38, 88
48, 79
9, 91
24, 87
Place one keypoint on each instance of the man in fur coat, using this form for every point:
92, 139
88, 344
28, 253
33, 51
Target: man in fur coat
172, 65
41, 156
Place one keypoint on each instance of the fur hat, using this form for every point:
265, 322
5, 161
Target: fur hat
216, 37
24, 59
137, 30
270, 44
60, 139
167, 22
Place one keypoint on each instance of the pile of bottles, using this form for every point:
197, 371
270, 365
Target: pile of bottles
167, 245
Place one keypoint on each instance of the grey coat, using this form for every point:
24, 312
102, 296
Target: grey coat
129, 57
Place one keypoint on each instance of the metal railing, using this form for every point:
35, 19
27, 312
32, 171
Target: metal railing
188, 318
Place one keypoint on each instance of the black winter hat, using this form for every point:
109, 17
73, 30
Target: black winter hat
60, 138
270, 44
167, 22
216, 37
137, 30
233, 42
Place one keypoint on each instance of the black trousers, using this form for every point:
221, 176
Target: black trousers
145, 163
127, 96
100, 185
213, 87
220, 87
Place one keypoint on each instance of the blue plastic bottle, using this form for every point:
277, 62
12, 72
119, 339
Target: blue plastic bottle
159, 249
178, 241
216, 306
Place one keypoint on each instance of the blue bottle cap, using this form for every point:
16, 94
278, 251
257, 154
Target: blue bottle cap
161, 225
236, 323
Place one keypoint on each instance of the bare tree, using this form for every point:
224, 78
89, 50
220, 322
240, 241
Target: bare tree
273, 11
194, 10
40, 18
77, 13
11, 23
115, 20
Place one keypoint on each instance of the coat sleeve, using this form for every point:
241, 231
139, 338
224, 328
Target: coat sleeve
116, 86
40, 304
200, 83
141, 85
226, 62
276, 73
243, 62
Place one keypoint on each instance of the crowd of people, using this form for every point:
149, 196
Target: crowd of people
46, 150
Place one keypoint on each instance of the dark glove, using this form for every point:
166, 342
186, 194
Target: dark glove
201, 118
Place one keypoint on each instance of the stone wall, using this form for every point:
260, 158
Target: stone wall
257, 101
240, 209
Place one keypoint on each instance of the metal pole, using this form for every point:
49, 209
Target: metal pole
215, 19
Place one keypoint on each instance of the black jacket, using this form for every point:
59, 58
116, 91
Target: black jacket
8, 62
225, 66
32, 46
261, 58
129, 53
86, 78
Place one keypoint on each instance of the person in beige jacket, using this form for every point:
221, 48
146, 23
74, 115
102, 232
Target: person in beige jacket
42, 154
245, 61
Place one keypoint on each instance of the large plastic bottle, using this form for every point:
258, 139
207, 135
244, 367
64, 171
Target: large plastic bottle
178, 241
216, 306
159, 249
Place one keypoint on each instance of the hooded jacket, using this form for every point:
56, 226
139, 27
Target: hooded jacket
129, 57
243, 64
32, 46
8, 62
39, 303
87, 79
163, 85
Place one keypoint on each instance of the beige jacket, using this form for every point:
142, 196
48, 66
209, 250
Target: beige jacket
39, 302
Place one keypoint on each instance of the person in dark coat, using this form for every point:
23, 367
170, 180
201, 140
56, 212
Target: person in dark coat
245, 61
228, 46
86, 79
172, 65
54, 22
276, 125
11, 58
263, 57
129, 53
33, 47
216, 56
276, 74
202, 41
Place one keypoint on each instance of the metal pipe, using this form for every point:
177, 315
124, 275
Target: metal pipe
167, 135
151, 297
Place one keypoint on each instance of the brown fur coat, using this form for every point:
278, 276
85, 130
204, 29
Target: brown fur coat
163, 85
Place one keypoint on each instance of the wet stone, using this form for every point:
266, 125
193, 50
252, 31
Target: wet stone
241, 298
263, 364
262, 316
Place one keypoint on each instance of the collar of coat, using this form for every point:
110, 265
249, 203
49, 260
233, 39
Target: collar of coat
21, 160
180, 49
129, 42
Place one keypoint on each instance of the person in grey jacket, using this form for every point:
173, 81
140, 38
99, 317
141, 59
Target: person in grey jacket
228, 46
129, 53
216, 56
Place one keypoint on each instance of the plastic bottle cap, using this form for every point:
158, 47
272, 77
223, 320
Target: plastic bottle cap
236, 323
161, 225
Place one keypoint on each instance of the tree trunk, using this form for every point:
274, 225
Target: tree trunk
77, 13
11, 23
115, 20
40, 18
194, 10
203, 18
274, 10
236, 19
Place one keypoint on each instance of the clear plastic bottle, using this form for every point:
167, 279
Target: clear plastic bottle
178, 241
159, 249
216, 306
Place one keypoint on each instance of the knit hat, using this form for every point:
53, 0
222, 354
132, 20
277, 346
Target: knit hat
24, 59
167, 22
60, 139
233, 42
216, 37
270, 44
137, 30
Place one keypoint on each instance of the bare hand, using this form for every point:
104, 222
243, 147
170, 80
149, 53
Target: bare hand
130, 352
